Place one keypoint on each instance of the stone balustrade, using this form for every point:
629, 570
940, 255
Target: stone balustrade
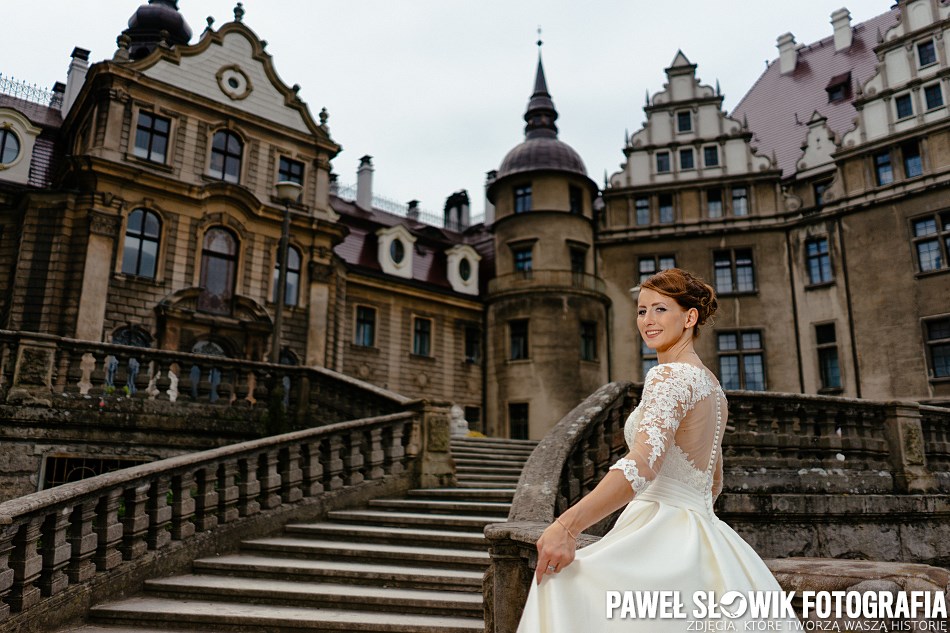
57, 543
545, 279
789, 458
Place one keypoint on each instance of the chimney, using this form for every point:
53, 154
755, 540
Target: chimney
334, 184
456, 214
364, 184
788, 53
489, 207
57, 101
841, 21
412, 211
75, 77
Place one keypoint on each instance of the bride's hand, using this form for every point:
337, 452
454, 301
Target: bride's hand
555, 550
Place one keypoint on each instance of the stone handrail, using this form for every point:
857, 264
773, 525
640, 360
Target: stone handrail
534, 279
63, 539
774, 434
37, 367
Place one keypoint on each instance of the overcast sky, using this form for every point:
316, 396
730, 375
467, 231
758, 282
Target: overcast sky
435, 90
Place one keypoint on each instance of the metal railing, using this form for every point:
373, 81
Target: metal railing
26, 91
348, 192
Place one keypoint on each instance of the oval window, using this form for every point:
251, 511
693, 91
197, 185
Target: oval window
9, 147
465, 269
397, 251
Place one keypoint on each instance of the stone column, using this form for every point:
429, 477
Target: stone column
905, 439
33, 373
95, 277
435, 466
318, 313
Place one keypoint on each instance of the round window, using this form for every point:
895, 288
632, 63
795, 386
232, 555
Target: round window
9, 147
397, 251
465, 269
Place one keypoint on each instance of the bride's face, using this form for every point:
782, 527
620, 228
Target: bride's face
661, 321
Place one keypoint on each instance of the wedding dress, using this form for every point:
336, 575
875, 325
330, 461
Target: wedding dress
667, 539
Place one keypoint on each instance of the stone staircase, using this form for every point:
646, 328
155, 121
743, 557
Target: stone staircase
410, 564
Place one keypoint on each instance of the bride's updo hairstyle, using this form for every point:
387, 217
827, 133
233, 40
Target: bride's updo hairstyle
688, 290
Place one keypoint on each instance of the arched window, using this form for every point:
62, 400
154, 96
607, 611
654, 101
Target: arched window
218, 268
9, 147
208, 348
132, 335
292, 295
226, 151
142, 235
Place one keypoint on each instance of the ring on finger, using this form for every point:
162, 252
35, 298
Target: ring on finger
552, 567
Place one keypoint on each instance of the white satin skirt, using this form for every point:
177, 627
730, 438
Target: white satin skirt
665, 541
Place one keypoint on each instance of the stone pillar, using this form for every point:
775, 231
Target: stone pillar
435, 467
95, 276
511, 578
33, 373
905, 439
318, 314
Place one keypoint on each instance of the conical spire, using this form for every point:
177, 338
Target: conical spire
540, 115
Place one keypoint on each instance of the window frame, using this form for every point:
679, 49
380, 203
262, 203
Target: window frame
735, 198
906, 159
151, 132
664, 164
933, 52
575, 199
526, 418
903, 102
941, 236
734, 270
360, 325
228, 156
522, 198
680, 114
741, 353
879, 164
422, 336
588, 340
822, 259
656, 265
142, 237
7, 133
232, 261
642, 203
472, 342
683, 153
823, 349
521, 352
715, 149
929, 90
931, 343
709, 204
522, 260
292, 273
661, 208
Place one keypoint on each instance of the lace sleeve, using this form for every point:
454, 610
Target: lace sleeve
667, 395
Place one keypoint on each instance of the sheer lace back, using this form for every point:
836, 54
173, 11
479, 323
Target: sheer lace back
676, 430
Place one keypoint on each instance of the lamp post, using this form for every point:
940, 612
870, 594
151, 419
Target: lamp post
287, 192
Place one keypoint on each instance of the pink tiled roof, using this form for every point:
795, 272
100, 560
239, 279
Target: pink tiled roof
778, 107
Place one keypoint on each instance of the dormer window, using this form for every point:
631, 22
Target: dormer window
9, 147
397, 252
462, 261
684, 121
839, 88
926, 53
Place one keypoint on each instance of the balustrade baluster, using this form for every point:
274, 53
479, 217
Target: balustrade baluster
291, 476
108, 531
353, 459
373, 456
134, 522
55, 550
214, 380
312, 468
62, 370
86, 368
394, 453
334, 461
206, 500
183, 506
227, 492
174, 371
269, 478
250, 387
249, 488
194, 378
82, 540
27, 565
154, 373
7, 534
159, 514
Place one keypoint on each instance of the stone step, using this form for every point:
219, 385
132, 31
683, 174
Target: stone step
388, 534
340, 571
486, 463
487, 494
492, 441
490, 453
289, 547
382, 517
473, 478
93, 628
230, 616
277, 592
500, 485
439, 506
491, 469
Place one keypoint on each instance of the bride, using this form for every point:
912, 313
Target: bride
667, 545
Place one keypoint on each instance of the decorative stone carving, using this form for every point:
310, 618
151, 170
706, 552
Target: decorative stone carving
458, 425
103, 224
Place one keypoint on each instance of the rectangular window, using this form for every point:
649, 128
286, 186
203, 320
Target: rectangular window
741, 360
904, 106
518, 339
913, 166
818, 260
522, 199
932, 241
827, 345
740, 201
642, 206
883, 170
289, 170
473, 344
933, 96
711, 156
588, 340
734, 271
523, 260
151, 137
666, 208
648, 359
662, 162
686, 159
518, 420
365, 326
578, 261
926, 53
422, 337
938, 346
652, 265
819, 189
684, 121
714, 203
576, 199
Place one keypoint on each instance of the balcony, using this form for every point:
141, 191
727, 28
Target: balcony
545, 279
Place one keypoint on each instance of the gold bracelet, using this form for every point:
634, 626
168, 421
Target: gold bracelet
558, 521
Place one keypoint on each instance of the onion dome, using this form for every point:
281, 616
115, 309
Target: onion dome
153, 23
